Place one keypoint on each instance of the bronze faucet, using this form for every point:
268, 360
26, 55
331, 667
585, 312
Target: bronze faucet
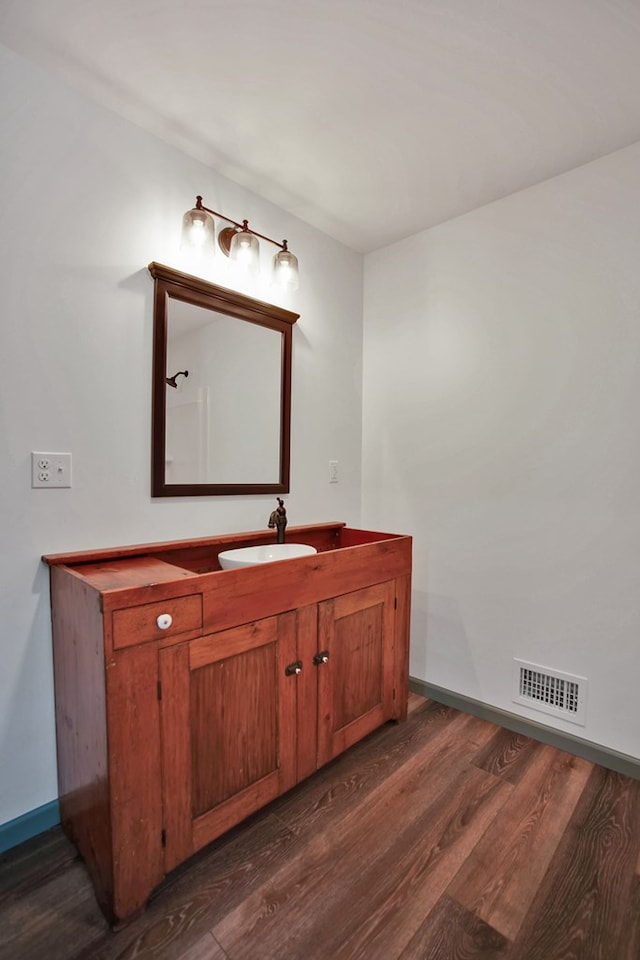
278, 519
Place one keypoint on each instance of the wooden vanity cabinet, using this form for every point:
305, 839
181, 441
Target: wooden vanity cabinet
186, 701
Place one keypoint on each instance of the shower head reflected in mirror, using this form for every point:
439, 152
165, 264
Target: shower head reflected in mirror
172, 381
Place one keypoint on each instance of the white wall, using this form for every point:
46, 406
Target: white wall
502, 430
86, 202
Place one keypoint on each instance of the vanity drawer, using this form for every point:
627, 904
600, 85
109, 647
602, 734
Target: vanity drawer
156, 621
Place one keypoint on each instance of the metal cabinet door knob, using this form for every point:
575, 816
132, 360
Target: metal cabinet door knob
293, 669
322, 657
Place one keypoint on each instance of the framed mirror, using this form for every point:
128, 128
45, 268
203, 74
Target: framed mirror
221, 412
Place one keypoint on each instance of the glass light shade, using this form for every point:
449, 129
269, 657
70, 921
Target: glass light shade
198, 231
245, 250
285, 270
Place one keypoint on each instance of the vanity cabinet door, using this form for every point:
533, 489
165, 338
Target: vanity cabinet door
228, 724
356, 683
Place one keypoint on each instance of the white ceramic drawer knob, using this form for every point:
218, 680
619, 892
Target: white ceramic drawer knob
164, 621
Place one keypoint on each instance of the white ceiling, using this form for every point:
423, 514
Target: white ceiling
370, 120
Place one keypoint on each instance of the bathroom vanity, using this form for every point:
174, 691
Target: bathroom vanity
187, 696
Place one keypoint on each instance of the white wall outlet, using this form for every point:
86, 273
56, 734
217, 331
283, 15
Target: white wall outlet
50, 469
333, 471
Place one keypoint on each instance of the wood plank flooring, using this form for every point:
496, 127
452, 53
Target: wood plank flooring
443, 838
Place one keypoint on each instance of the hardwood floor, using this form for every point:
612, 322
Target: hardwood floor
443, 838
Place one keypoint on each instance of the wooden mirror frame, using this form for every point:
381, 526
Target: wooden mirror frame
173, 284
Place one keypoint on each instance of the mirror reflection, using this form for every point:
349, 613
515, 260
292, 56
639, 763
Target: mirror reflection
222, 380
223, 418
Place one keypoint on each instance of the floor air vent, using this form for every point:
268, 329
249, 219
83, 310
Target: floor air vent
550, 691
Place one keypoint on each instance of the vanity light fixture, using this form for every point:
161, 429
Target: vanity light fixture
239, 242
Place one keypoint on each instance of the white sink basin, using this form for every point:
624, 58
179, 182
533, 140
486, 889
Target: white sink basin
264, 553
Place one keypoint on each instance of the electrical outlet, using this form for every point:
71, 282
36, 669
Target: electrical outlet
50, 469
333, 471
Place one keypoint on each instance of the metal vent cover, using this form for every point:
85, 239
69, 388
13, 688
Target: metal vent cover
550, 691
